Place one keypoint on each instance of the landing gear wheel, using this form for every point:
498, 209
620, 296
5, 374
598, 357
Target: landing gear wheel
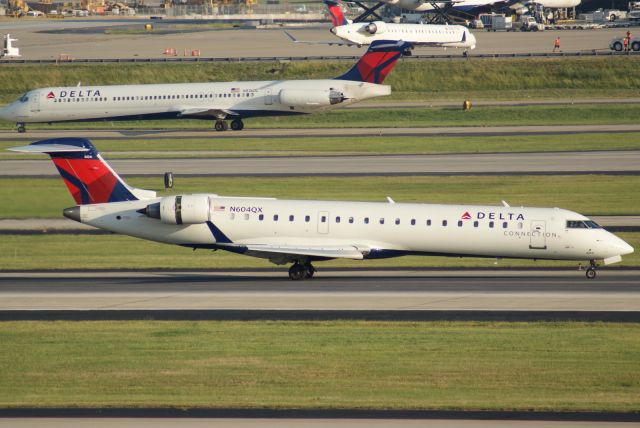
297, 272
221, 125
591, 273
309, 270
21, 128
237, 125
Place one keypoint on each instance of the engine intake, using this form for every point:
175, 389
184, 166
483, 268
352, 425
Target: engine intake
187, 209
377, 27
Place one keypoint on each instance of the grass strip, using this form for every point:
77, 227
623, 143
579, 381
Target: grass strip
590, 194
331, 365
60, 252
209, 147
587, 114
411, 79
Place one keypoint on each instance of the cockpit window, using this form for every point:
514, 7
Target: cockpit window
24, 98
579, 224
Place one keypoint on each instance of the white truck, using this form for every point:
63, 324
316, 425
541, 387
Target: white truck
529, 23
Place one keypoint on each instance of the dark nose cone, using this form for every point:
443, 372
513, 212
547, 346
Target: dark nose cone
73, 213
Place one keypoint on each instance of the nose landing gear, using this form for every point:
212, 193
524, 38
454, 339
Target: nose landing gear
299, 271
591, 270
21, 128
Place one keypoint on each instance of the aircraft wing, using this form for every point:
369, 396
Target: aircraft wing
207, 112
312, 42
285, 253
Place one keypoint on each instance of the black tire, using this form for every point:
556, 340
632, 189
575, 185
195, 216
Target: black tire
617, 46
635, 46
309, 270
221, 125
297, 272
21, 129
590, 273
613, 18
237, 125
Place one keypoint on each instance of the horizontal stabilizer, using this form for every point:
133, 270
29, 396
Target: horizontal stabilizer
49, 148
319, 42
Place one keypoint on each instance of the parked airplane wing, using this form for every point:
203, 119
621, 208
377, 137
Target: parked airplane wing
286, 252
207, 112
313, 42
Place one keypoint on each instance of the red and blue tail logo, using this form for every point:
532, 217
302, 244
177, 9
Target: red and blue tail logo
335, 10
87, 176
377, 62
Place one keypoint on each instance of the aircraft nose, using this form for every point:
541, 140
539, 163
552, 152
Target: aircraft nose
621, 247
472, 40
6, 113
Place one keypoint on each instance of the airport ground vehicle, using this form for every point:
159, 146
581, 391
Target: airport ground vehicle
529, 23
301, 232
617, 44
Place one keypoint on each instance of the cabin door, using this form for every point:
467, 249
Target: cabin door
538, 235
35, 103
323, 222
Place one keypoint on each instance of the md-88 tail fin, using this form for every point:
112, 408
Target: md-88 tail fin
377, 62
88, 177
335, 10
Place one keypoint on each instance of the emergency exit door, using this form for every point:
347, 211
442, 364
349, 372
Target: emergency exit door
538, 235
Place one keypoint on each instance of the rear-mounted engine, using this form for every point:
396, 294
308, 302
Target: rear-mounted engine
187, 209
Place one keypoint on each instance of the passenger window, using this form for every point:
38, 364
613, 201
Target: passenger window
261, 217
397, 221
504, 225
338, 219
381, 220
350, 219
290, 218
520, 225
444, 222
275, 217
307, 219
475, 223
490, 225
413, 222
366, 220
428, 222
323, 219
459, 223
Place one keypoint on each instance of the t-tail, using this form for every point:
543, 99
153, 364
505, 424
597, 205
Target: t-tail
335, 10
88, 177
377, 62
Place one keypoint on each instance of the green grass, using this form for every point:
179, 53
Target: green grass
607, 195
583, 114
224, 147
519, 78
60, 252
329, 365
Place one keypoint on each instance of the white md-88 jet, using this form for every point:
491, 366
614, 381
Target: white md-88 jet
303, 231
211, 101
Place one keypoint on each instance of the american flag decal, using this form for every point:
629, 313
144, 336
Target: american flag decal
218, 208
234, 90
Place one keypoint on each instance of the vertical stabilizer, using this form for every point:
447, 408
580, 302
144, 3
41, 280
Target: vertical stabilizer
377, 62
337, 15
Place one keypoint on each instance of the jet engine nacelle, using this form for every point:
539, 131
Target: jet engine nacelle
186, 209
302, 97
377, 27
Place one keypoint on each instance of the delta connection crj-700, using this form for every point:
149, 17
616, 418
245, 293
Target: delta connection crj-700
301, 232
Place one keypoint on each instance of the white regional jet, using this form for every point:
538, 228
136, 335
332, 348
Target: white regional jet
217, 101
301, 232
470, 5
365, 33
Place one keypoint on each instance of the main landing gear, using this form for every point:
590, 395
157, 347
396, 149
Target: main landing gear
236, 125
591, 270
299, 271
21, 128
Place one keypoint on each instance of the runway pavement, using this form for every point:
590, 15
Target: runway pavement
331, 290
156, 134
617, 162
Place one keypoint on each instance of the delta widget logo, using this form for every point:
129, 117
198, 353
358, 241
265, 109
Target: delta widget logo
466, 216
